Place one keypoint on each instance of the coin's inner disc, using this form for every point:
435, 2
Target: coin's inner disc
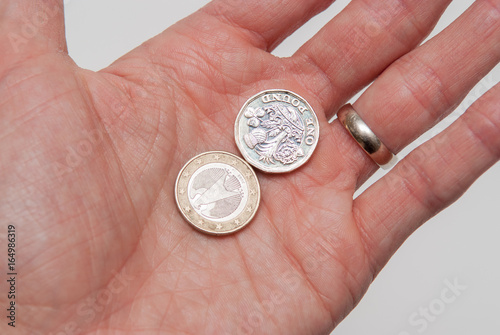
218, 192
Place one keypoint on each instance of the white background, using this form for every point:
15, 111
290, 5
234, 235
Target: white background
459, 244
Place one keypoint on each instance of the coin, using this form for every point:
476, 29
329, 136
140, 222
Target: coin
217, 192
276, 131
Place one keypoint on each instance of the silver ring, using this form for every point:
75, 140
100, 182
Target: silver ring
365, 137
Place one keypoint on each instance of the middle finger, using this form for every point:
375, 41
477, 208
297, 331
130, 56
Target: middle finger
359, 43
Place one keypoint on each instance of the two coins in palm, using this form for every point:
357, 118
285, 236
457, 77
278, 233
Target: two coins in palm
217, 192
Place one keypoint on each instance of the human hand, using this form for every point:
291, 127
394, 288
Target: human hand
87, 212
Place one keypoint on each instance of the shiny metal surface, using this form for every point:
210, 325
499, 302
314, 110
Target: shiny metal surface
217, 193
365, 137
276, 131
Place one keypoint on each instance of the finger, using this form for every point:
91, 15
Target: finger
429, 179
31, 28
265, 23
422, 87
356, 46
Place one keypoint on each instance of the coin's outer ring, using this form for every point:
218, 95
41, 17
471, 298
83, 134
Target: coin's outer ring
181, 199
258, 165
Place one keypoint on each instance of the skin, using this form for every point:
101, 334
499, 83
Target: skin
89, 161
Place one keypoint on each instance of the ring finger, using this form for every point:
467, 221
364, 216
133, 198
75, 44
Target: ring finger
422, 87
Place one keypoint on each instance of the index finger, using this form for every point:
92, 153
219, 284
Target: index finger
264, 23
30, 28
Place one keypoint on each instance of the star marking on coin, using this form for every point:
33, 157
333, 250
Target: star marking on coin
182, 191
185, 174
233, 162
248, 174
201, 222
252, 192
198, 161
237, 222
219, 226
187, 209
216, 157
249, 209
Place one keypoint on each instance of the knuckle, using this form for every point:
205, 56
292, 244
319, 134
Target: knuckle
414, 26
483, 125
397, 18
419, 183
423, 85
492, 20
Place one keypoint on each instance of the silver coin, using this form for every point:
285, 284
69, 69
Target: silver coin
276, 131
217, 192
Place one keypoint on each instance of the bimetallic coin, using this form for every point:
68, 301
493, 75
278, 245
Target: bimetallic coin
217, 192
276, 131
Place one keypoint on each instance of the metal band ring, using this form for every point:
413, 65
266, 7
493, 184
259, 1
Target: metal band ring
365, 137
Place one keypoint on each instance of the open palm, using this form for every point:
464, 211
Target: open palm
89, 161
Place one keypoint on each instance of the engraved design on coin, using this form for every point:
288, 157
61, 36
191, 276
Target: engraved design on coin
214, 191
217, 192
276, 131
